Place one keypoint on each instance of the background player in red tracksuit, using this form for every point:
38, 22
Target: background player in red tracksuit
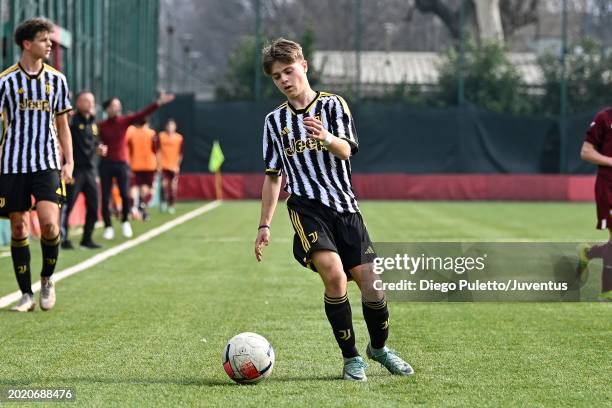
115, 163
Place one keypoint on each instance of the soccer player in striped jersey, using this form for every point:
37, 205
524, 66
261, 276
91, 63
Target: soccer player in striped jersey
34, 101
310, 139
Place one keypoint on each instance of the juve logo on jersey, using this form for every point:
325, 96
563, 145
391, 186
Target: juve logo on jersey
29, 103
312, 171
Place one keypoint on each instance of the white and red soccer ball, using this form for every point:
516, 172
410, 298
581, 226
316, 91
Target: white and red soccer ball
248, 358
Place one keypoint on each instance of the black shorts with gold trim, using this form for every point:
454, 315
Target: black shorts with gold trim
16, 190
318, 227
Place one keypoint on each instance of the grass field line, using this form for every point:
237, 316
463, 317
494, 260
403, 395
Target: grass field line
103, 256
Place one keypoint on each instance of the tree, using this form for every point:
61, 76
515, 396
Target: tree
238, 84
589, 79
491, 81
514, 14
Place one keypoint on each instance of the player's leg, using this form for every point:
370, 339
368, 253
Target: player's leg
20, 253
72, 192
606, 272
123, 180
90, 191
173, 189
145, 197
106, 183
338, 311
357, 254
49, 193
603, 201
313, 248
48, 215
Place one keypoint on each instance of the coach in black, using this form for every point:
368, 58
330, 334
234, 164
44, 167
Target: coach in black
310, 139
85, 144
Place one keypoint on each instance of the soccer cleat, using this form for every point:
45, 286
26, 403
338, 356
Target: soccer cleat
67, 244
390, 360
126, 229
582, 270
47, 293
171, 210
25, 304
145, 215
109, 233
354, 369
90, 245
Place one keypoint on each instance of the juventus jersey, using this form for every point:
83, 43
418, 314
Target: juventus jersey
312, 171
29, 103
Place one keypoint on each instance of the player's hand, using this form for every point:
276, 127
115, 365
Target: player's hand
263, 239
165, 98
314, 128
66, 172
101, 150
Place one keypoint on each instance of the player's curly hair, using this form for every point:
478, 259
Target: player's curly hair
27, 30
281, 50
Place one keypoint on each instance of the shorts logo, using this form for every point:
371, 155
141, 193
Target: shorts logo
2, 202
50, 261
22, 268
370, 250
313, 237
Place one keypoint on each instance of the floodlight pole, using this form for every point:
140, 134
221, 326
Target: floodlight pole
460, 78
257, 53
563, 101
358, 31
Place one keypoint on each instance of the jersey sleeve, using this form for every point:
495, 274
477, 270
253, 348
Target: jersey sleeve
62, 98
342, 123
271, 155
597, 130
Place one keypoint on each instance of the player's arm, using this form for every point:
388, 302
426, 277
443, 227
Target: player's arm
590, 154
65, 141
269, 199
339, 147
163, 99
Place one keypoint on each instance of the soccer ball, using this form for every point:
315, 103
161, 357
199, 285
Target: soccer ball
248, 358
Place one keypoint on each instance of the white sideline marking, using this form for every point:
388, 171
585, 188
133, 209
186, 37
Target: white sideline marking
103, 256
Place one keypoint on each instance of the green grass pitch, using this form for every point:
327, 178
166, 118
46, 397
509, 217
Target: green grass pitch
148, 326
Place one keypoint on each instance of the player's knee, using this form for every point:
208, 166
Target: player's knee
49, 229
335, 283
19, 229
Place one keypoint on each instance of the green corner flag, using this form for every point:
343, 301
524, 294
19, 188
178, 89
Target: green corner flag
216, 158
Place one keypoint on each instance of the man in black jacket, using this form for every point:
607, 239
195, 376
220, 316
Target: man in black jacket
86, 144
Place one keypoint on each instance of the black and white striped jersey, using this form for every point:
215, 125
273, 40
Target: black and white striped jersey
312, 171
29, 104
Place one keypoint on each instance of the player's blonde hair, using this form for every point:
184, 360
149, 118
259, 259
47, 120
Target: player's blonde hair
280, 50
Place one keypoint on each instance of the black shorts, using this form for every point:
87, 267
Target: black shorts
16, 190
603, 201
318, 227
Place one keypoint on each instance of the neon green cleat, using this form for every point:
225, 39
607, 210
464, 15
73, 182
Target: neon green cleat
582, 270
390, 360
354, 369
